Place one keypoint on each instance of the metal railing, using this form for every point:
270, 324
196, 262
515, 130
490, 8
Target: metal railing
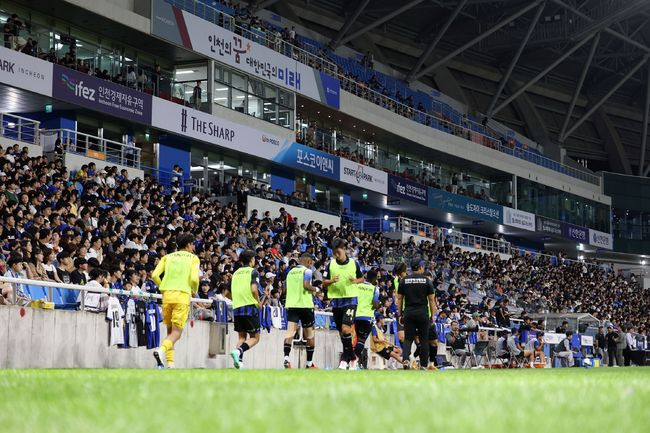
50, 285
276, 43
98, 147
436, 233
474, 131
19, 128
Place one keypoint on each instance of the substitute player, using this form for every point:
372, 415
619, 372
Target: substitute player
380, 345
342, 274
367, 303
180, 280
300, 308
246, 305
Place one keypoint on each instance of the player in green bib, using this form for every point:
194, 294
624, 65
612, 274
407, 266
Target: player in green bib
245, 304
300, 308
367, 303
342, 274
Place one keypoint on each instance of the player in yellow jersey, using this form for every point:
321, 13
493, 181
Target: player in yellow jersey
180, 271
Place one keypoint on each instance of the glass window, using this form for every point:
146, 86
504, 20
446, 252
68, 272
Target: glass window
238, 102
255, 106
553, 203
238, 81
253, 97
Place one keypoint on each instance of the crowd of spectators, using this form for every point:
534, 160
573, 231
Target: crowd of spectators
58, 226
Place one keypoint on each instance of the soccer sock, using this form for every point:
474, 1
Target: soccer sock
346, 340
310, 355
358, 349
416, 354
243, 348
433, 353
287, 348
170, 356
167, 345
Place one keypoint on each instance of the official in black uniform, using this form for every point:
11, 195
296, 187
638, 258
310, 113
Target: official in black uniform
417, 292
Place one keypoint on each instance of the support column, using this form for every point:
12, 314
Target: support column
210, 86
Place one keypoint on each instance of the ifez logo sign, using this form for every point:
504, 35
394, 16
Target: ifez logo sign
78, 88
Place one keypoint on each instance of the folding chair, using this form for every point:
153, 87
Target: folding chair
481, 350
455, 354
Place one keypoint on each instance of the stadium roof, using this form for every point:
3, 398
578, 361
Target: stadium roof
567, 73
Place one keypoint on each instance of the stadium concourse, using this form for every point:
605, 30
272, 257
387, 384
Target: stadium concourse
58, 225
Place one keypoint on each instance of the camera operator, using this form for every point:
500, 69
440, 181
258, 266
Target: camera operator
457, 340
417, 302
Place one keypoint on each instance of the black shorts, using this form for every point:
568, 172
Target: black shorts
249, 324
344, 316
363, 328
303, 315
385, 352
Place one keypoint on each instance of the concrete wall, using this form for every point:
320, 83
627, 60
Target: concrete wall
74, 161
462, 148
303, 215
74, 339
121, 11
32, 149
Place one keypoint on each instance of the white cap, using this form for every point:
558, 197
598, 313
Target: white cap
269, 275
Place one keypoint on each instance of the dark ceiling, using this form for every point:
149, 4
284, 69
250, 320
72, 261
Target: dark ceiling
590, 50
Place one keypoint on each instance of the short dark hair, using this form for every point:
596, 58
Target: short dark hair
338, 243
14, 258
372, 275
97, 272
399, 268
183, 240
246, 256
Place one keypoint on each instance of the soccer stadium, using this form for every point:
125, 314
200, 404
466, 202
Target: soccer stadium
324, 215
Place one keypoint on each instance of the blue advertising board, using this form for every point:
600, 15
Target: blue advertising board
404, 188
101, 95
309, 160
439, 199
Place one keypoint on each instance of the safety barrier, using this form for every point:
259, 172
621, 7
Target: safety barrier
19, 128
98, 147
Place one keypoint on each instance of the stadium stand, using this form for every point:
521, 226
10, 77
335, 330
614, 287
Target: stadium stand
54, 220
360, 79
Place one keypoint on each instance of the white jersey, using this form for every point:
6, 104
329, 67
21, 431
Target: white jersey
115, 318
130, 323
276, 317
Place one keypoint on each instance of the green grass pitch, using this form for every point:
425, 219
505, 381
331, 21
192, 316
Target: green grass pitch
197, 401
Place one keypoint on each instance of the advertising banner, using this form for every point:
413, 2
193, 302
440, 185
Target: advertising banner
518, 218
600, 239
310, 160
549, 226
439, 199
575, 233
208, 128
211, 129
101, 95
25, 72
363, 177
194, 33
404, 188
